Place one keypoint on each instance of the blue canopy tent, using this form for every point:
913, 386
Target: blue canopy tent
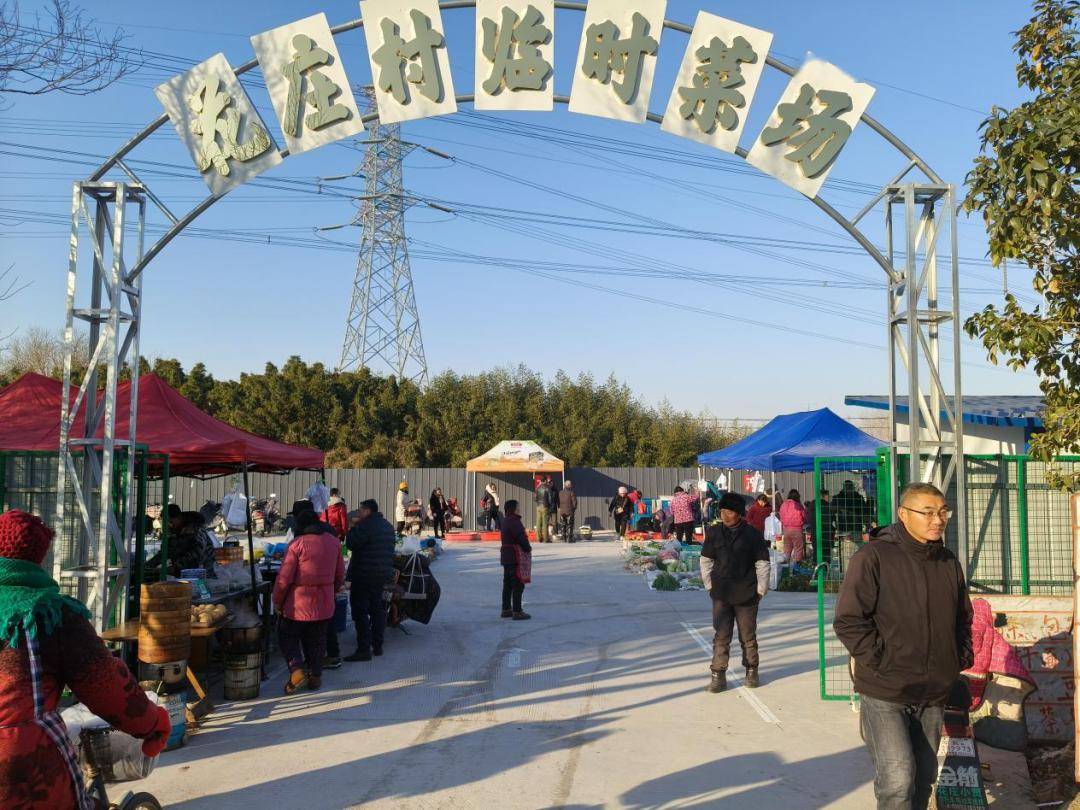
791, 442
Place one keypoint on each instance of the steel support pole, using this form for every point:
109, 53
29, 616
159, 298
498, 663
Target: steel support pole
95, 546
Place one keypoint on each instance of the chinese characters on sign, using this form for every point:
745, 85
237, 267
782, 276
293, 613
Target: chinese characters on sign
514, 52
810, 125
617, 59
514, 61
717, 81
816, 137
307, 56
409, 63
215, 119
218, 126
307, 83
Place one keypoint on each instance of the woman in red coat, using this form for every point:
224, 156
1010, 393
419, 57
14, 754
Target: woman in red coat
310, 575
46, 643
758, 511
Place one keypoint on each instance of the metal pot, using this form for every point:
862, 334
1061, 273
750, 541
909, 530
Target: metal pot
170, 673
241, 640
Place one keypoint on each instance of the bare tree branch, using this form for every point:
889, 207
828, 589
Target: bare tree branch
62, 50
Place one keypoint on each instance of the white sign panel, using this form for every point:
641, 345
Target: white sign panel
816, 115
218, 124
307, 84
410, 66
616, 59
515, 55
717, 81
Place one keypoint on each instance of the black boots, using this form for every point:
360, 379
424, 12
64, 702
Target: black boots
718, 683
751, 679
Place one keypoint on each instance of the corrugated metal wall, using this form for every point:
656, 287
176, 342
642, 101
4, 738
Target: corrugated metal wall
595, 486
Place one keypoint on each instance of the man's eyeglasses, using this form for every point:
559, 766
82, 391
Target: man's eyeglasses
930, 514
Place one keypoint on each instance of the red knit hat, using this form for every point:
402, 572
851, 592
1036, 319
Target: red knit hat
24, 536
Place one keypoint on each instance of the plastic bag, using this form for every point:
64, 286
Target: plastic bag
410, 545
124, 760
236, 517
319, 495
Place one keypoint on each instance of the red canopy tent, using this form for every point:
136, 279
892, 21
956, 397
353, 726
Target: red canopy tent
197, 443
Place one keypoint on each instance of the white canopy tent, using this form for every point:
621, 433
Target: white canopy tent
512, 455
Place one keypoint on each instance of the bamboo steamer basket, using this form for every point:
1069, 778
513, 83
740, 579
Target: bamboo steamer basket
165, 622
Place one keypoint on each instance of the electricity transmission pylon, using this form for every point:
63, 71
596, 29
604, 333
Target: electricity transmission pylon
382, 331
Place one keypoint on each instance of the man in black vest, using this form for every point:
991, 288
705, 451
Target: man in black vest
735, 570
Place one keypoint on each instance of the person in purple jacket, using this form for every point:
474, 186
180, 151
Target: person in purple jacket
516, 558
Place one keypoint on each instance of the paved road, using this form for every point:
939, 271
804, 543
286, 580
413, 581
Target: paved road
597, 702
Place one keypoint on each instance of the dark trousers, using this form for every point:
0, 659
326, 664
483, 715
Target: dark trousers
724, 617
369, 615
494, 518
684, 532
333, 647
903, 742
438, 519
303, 644
513, 589
620, 524
566, 527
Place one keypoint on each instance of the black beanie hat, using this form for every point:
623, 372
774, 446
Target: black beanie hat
733, 501
301, 506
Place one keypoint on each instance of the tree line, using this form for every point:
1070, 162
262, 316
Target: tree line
365, 420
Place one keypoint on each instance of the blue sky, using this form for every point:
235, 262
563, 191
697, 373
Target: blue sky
797, 328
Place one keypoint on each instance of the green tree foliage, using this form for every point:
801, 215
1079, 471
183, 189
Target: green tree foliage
363, 420
1025, 185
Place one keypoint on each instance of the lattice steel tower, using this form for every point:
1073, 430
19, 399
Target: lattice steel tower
383, 327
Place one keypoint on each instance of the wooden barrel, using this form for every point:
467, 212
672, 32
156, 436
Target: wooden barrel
243, 674
165, 622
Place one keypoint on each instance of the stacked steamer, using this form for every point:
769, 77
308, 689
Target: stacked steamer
164, 647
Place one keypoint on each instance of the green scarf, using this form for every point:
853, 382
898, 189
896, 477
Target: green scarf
31, 600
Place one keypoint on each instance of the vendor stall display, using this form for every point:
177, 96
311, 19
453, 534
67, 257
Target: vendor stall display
667, 566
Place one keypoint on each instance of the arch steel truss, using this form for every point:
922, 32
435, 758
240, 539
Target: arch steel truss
920, 237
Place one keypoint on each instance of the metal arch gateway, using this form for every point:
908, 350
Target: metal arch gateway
97, 554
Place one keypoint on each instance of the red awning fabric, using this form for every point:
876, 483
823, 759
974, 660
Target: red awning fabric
197, 443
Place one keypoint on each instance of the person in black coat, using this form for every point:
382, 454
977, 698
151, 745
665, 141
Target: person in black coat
735, 570
437, 505
371, 566
515, 555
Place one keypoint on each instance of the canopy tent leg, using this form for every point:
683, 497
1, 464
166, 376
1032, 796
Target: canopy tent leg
251, 540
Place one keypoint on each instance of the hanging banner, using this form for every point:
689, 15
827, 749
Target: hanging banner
811, 123
515, 55
410, 66
307, 84
217, 122
616, 59
717, 81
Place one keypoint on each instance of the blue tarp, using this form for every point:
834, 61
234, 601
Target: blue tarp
791, 442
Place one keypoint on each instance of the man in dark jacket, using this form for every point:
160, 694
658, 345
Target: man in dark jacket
567, 508
541, 499
515, 545
904, 615
735, 570
371, 565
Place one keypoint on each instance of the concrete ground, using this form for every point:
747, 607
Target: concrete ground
597, 702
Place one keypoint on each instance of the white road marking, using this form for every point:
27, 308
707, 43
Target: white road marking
746, 694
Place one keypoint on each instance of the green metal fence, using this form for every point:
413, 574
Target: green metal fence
845, 507
1018, 535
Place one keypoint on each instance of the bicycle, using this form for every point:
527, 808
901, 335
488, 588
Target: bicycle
94, 741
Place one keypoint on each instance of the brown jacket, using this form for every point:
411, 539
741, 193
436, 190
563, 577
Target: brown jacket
904, 615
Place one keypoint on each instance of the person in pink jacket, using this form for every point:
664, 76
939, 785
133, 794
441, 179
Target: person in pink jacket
312, 572
792, 521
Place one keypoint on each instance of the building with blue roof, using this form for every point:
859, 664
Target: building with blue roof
992, 424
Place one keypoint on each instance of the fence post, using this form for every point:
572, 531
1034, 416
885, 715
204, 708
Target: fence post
819, 544
1006, 530
1075, 500
1022, 517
